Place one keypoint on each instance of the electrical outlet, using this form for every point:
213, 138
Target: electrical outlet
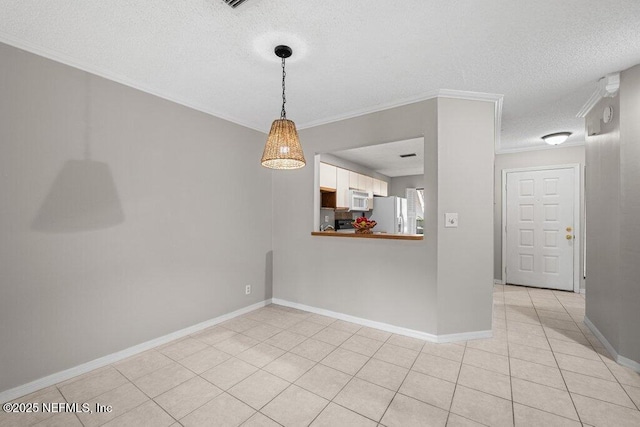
247, 289
326, 218
451, 220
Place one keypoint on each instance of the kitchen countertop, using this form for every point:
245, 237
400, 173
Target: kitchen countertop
369, 236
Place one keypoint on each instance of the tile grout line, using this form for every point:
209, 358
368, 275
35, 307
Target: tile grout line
261, 369
317, 363
618, 382
332, 400
607, 366
258, 369
590, 345
65, 399
558, 365
108, 391
513, 406
403, 380
553, 352
455, 387
151, 399
580, 357
199, 375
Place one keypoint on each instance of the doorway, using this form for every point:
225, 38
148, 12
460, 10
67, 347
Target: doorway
541, 222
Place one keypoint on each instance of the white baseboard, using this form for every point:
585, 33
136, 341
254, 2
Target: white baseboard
632, 364
385, 326
465, 336
619, 359
58, 377
583, 291
601, 337
498, 282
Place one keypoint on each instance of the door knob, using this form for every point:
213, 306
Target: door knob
569, 237
569, 229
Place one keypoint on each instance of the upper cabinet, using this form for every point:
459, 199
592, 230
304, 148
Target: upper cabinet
328, 176
367, 184
342, 188
376, 187
354, 180
384, 188
380, 188
342, 180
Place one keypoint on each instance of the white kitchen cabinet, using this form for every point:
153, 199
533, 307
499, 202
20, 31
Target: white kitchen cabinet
368, 187
368, 184
361, 183
384, 188
354, 180
327, 176
376, 187
342, 188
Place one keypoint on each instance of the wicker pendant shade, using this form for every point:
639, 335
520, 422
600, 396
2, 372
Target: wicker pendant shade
283, 150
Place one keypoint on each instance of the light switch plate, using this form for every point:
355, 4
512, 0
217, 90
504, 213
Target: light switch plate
451, 220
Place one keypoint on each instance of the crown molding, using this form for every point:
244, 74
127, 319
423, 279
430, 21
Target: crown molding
498, 125
607, 87
497, 99
470, 96
442, 93
368, 110
115, 77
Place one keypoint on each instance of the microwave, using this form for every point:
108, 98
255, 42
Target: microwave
358, 201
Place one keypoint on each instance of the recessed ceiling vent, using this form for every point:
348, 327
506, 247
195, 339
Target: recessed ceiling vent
408, 155
234, 3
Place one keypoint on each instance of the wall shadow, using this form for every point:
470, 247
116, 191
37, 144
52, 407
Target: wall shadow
82, 197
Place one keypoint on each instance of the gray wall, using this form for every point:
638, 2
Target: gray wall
629, 324
323, 271
613, 209
466, 140
549, 157
422, 285
156, 248
603, 222
399, 184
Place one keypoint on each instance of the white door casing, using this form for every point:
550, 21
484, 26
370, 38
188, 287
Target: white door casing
540, 225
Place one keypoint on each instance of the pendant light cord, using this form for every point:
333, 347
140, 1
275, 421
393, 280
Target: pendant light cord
283, 113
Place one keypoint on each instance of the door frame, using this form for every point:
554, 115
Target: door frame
576, 217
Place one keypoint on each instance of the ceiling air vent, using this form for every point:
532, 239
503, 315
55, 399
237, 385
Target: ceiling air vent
408, 155
234, 3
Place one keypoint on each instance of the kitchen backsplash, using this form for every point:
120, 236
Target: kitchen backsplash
344, 215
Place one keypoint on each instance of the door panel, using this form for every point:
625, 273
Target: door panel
540, 208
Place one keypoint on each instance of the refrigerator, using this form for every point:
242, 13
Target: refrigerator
390, 213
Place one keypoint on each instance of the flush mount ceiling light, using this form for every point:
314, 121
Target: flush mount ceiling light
283, 150
556, 138
234, 3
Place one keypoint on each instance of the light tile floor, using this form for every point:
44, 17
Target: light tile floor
281, 366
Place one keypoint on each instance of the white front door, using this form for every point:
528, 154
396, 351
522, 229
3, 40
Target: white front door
540, 228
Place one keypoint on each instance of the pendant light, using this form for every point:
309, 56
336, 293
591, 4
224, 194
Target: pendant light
283, 150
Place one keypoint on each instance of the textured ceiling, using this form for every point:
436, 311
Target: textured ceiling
350, 57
